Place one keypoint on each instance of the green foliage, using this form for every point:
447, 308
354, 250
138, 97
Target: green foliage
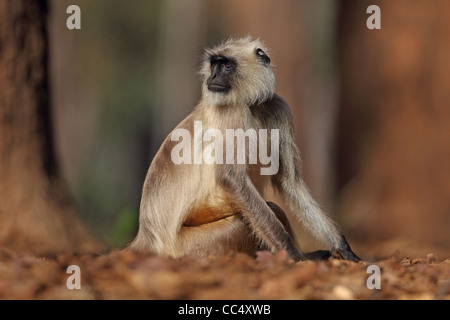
125, 227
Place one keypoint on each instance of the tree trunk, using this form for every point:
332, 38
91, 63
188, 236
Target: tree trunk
394, 137
34, 212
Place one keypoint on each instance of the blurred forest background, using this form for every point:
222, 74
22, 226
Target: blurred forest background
371, 108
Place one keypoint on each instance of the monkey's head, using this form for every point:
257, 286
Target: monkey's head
237, 72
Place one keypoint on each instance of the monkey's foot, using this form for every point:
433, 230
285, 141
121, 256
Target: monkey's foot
346, 255
318, 255
345, 252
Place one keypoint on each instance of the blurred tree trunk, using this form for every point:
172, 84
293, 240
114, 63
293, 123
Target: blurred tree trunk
35, 215
182, 26
394, 136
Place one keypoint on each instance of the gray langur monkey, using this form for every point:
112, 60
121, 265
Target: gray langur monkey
190, 207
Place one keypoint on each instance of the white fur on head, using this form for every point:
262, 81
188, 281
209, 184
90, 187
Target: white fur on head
254, 81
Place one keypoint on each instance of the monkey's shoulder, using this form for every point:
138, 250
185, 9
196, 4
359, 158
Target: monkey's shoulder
277, 99
274, 111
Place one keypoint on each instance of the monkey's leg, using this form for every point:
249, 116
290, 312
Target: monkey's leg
259, 216
281, 215
221, 236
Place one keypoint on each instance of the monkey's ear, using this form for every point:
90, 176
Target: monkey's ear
262, 56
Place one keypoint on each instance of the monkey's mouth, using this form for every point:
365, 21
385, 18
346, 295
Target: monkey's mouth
218, 88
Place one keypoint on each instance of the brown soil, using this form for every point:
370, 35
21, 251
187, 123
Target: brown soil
126, 275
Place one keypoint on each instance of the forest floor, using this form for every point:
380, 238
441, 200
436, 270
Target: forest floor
126, 275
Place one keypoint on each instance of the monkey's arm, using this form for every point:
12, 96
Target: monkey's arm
294, 191
302, 204
256, 212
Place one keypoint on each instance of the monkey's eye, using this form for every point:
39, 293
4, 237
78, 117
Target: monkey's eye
262, 56
228, 65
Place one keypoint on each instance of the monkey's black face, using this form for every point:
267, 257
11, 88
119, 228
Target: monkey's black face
222, 70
